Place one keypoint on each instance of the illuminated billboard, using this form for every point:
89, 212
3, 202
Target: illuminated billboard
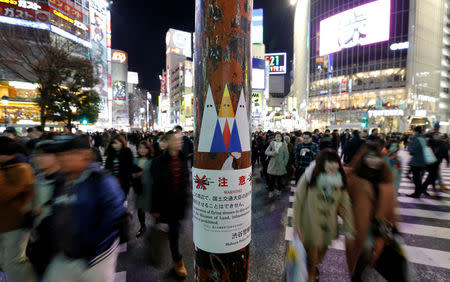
179, 42
120, 90
362, 25
257, 26
258, 74
277, 63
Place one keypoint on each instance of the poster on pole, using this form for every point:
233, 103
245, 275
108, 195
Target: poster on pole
222, 209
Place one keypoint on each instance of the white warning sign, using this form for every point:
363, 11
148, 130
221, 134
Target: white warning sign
222, 202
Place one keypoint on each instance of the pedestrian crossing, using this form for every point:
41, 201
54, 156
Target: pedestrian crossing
424, 224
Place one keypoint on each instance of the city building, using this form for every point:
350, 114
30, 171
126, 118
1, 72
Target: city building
372, 64
86, 23
176, 98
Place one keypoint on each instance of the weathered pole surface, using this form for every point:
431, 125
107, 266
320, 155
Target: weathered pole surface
222, 175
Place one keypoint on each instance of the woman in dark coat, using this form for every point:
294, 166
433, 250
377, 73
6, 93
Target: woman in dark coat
119, 160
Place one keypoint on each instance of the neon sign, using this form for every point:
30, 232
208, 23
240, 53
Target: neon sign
119, 56
277, 63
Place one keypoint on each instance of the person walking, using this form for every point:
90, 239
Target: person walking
433, 168
16, 194
279, 157
119, 160
417, 162
305, 153
170, 194
319, 199
352, 146
142, 183
372, 196
88, 214
48, 180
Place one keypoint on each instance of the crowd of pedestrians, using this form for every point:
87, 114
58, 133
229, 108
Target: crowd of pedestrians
64, 208
356, 176
63, 199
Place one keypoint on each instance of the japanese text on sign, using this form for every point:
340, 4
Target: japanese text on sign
222, 209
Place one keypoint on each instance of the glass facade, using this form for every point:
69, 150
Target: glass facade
345, 86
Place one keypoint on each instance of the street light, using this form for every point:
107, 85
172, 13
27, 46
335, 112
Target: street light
5, 102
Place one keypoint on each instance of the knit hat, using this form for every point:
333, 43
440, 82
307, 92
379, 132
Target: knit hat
8, 146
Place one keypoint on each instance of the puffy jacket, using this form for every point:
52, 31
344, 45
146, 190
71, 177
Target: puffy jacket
96, 214
16, 191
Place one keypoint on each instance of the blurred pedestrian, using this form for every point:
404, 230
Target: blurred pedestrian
119, 160
88, 214
170, 194
318, 201
142, 183
16, 194
372, 195
417, 162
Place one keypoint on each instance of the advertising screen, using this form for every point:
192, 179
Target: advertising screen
257, 26
258, 74
256, 104
179, 42
120, 90
277, 63
362, 25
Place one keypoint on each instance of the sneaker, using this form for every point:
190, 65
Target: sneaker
270, 195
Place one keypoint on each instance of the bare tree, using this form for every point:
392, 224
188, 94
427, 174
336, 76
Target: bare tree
41, 57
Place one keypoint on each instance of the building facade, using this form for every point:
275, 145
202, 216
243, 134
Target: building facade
86, 23
371, 64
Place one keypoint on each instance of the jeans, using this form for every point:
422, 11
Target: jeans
432, 170
275, 181
66, 269
417, 179
174, 236
12, 256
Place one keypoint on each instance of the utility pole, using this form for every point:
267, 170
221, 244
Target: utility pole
222, 173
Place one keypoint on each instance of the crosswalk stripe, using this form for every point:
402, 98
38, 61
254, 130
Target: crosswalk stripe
416, 255
413, 229
426, 201
424, 213
410, 191
291, 199
424, 230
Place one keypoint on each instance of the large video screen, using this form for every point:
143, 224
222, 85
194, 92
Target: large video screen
362, 25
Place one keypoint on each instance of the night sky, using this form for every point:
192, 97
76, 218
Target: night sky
139, 27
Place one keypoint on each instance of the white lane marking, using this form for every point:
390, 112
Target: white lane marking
424, 213
290, 212
289, 236
424, 230
423, 200
120, 276
291, 199
408, 191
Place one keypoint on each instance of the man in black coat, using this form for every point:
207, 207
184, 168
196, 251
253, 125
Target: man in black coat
170, 193
352, 147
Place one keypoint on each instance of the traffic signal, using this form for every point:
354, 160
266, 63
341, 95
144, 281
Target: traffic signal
84, 121
427, 123
364, 122
388, 105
